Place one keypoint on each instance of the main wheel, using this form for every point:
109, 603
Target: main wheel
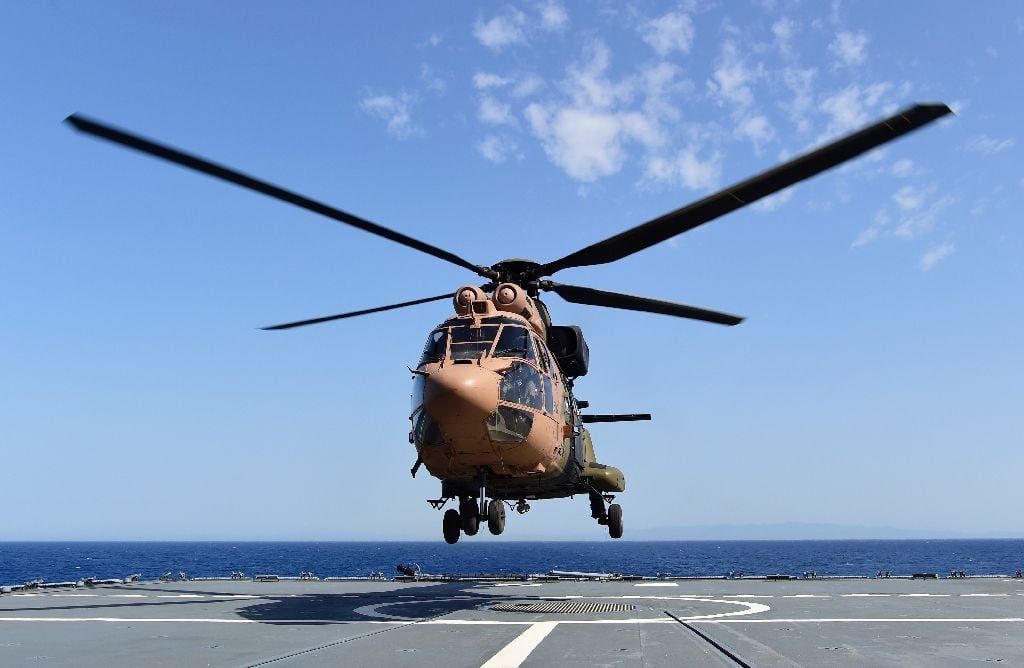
615, 520
496, 517
470, 516
451, 526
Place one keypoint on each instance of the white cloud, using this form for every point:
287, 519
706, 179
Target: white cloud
493, 112
800, 82
784, 29
528, 85
501, 31
921, 219
686, 168
432, 82
485, 80
495, 148
849, 48
772, 202
909, 198
587, 143
917, 217
588, 84
902, 168
757, 129
731, 78
852, 107
553, 16
396, 111
987, 145
880, 223
672, 32
936, 254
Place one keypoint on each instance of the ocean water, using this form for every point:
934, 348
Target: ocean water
58, 562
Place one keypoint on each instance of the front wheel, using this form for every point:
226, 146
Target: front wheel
615, 520
451, 526
496, 517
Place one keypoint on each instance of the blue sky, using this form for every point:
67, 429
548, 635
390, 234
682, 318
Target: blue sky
877, 380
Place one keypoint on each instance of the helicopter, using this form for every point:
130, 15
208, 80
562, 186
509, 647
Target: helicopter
494, 414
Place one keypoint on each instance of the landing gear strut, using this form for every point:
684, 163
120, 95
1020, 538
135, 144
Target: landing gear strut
612, 517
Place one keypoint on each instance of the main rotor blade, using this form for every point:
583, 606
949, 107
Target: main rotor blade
578, 295
743, 193
352, 314
103, 131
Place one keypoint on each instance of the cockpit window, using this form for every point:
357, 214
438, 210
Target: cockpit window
521, 384
515, 342
433, 351
470, 343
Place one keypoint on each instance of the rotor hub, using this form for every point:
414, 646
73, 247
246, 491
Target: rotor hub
521, 272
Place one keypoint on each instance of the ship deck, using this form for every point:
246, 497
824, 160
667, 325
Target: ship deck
745, 622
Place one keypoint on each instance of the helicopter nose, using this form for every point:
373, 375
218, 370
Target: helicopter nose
461, 392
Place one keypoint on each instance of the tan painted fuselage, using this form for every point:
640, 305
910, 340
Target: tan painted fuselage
465, 393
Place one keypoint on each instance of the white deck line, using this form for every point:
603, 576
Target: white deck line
513, 654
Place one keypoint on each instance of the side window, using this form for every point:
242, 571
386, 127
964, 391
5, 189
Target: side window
541, 356
434, 350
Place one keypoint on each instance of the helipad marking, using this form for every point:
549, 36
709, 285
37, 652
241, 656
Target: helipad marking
865, 595
127, 596
805, 596
750, 608
74, 595
984, 594
657, 584
516, 584
924, 595
180, 596
513, 654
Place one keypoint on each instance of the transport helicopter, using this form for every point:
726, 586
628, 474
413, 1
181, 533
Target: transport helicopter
494, 414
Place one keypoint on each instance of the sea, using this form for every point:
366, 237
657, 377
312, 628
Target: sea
72, 561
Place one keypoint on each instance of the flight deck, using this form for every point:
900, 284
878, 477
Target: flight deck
530, 622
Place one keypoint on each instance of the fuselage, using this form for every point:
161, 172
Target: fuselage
489, 394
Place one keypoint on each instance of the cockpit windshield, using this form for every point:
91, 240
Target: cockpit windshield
515, 342
470, 343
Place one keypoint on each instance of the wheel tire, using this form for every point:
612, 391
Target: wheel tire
451, 526
469, 516
496, 517
615, 520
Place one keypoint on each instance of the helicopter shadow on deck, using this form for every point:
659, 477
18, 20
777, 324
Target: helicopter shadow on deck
408, 605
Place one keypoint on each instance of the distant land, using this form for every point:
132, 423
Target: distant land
799, 531
781, 531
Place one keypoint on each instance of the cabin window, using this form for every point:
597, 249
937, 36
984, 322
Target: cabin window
509, 425
515, 342
549, 397
470, 343
433, 351
521, 385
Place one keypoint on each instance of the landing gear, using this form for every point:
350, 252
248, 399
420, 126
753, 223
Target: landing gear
469, 516
496, 517
451, 526
612, 518
615, 520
